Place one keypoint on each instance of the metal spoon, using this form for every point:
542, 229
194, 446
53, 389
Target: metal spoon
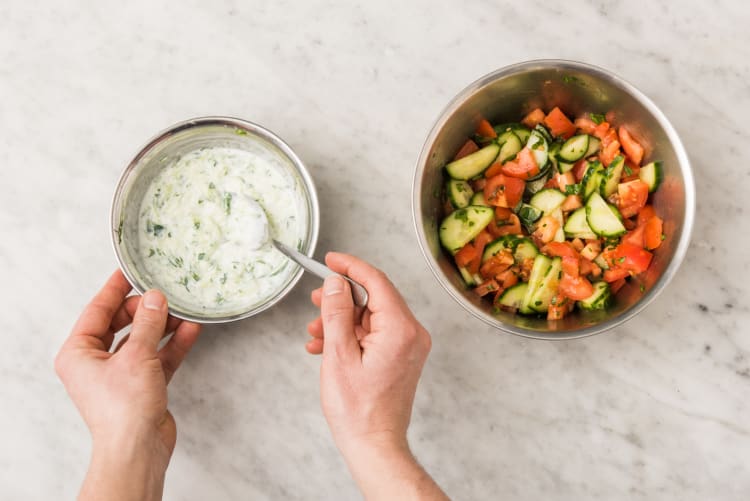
359, 293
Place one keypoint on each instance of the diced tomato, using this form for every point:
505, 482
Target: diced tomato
512, 226
632, 148
609, 152
616, 285
502, 213
632, 257
493, 170
468, 148
632, 197
634, 237
585, 124
577, 244
629, 224
508, 278
504, 191
579, 169
591, 250
652, 234
523, 167
559, 124
645, 214
466, 255
551, 183
546, 228
601, 131
557, 307
480, 242
485, 129
486, 287
575, 288
571, 202
589, 268
560, 249
533, 119
564, 180
614, 274
497, 264
609, 257
571, 266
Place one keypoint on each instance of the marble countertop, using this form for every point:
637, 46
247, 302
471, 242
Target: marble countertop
656, 409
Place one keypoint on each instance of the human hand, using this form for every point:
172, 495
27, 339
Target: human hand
122, 396
369, 374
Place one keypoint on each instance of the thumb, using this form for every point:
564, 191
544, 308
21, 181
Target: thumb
149, 321
337, 313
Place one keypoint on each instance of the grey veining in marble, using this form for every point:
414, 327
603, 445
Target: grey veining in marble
657, 409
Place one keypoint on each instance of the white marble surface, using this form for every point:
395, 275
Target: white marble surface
657, 409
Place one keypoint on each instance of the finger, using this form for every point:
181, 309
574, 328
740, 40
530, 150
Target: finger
97, 316
314, 346
315, 296
149, 322
315, 328
131, 305
174, 352
337, 312
381, 290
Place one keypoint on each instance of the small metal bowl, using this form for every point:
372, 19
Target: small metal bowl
508, 94
158, 153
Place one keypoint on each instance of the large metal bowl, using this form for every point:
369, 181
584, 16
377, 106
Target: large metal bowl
170, 144
508, 94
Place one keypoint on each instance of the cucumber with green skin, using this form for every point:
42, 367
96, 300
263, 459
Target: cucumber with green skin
462, 225
600, 299
603, 218
474, 164
459, 193
574, 148
652, 174
512, 298
611, 176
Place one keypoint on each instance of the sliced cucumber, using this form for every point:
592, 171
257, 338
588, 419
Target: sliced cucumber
471, 280
574, 148
547, 200
594, 144
519, 130
560, 233
528, 215
541, 129
538, 271
554, 149
592, 179
525, 249
599, 300
547, 288
462, 225
512, 297
577, 227
537, 184
459, 193
478, 199
539, 147
506, 242
611, 176
564, 167
603, 218
510, 147
652, 174
601, 262
474, 164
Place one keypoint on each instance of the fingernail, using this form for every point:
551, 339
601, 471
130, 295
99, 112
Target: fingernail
333, 285
153, 300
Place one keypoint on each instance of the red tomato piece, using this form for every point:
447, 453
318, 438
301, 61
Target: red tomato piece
504, 191
468, 148
632, 148
615, 274
484, 129
466, 255
579, 169
645, 214
559, 124
558, 307
510, 227
585, 125
485, 288
493, 170
609, 152
632, 257
652, 234
523, 167
575, 288
634, 237
632, 197
560, 249
616, 285
534, 118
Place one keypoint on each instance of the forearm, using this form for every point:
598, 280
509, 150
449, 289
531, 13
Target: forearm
125, 470
387, 472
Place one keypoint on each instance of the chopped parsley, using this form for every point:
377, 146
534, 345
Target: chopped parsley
628, 171
597, 118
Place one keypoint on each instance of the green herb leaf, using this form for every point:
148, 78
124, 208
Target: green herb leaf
201, 256
628, 171
597, 118
573, 189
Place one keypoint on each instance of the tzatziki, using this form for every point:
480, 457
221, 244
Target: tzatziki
205, 225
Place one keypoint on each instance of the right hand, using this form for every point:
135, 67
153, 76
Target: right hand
371, 365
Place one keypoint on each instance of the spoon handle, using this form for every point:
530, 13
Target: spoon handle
359, 293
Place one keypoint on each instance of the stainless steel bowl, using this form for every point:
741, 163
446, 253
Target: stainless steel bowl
170, 144
508, 94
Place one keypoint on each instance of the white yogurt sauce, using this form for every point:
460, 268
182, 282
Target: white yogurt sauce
203, 236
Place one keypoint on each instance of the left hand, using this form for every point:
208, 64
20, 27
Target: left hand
122, 396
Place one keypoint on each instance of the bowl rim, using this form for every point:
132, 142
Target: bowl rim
250, 128
680, 152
